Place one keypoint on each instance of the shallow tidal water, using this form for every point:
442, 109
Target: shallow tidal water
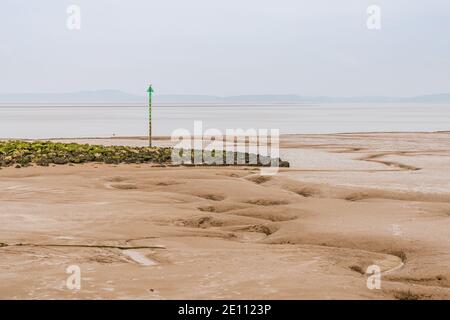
104, 121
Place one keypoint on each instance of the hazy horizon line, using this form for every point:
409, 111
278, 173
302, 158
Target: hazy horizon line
90, 91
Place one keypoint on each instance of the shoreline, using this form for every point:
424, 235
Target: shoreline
166, 137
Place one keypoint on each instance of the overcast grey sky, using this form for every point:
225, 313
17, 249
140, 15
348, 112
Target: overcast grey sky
232, 47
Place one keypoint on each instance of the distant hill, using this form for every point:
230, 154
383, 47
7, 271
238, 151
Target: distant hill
119, 97
433, 98
78, 97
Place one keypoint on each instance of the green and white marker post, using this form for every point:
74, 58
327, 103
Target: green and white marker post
150, 92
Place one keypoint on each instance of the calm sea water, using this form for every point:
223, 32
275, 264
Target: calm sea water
96, 121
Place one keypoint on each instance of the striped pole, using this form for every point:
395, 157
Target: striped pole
150, 91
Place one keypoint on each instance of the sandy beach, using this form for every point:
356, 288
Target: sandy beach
347, 202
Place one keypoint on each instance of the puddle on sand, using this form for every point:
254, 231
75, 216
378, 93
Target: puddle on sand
64, 238
139, 258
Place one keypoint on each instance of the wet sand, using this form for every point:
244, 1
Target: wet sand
137, 231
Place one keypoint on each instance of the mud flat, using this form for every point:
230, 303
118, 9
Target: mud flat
347, 202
